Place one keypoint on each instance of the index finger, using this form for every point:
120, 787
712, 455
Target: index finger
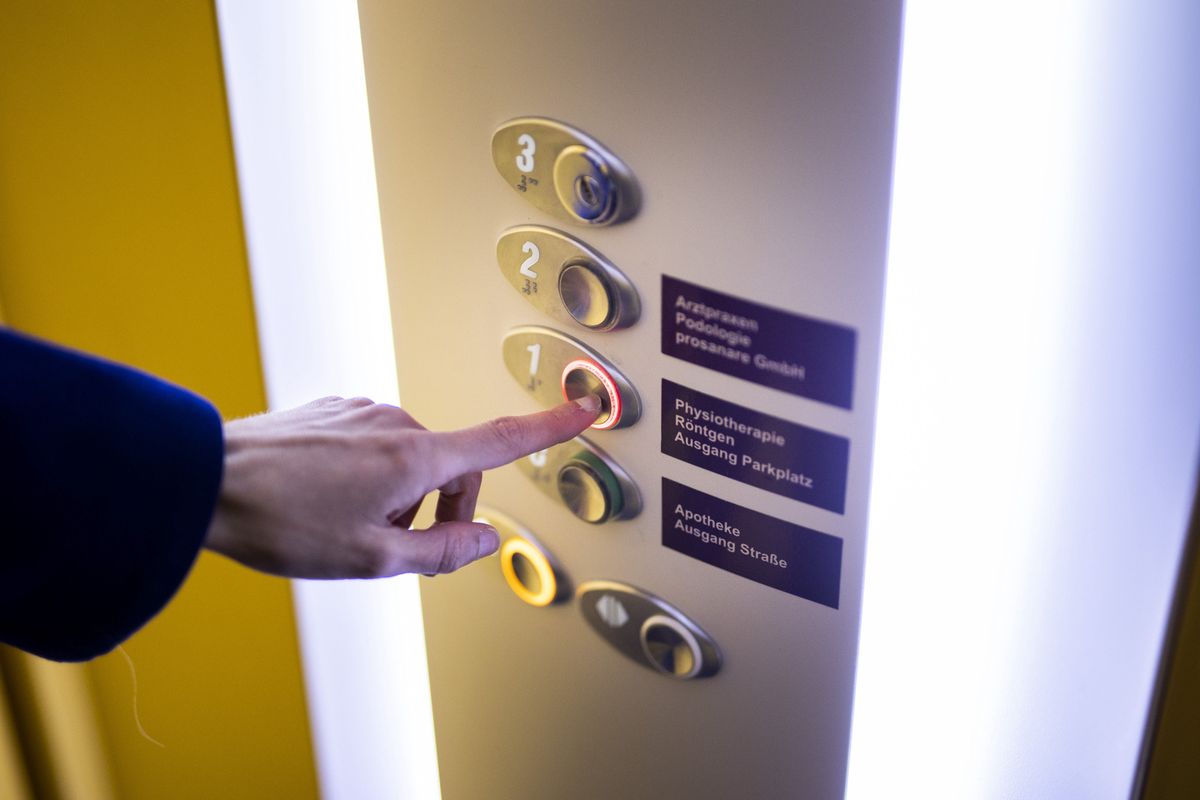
504, 439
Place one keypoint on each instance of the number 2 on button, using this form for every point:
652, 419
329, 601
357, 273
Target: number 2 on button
535, 255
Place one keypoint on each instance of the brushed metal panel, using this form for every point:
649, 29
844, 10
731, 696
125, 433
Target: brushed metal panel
761, 139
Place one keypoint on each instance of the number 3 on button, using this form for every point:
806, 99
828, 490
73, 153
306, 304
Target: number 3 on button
528, 148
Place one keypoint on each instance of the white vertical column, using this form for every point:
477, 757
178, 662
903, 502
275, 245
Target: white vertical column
1039, 399
297, 97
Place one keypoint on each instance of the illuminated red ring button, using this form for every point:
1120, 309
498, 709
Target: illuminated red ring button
606, 380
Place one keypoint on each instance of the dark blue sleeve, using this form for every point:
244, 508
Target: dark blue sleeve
108, 481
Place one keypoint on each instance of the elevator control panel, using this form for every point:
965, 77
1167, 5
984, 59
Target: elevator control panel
648, 630
693, 229
530, 571
564, 172
585, 479
554, 367
566, 279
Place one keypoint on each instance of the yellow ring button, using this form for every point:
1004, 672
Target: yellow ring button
522, 564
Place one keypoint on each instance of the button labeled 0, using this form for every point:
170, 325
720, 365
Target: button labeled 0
585, 479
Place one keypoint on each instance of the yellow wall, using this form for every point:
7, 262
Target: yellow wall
1174, 758
120, 234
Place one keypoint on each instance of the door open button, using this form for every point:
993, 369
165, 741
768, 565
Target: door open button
583, 377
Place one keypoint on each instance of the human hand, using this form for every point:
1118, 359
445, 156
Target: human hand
329, 489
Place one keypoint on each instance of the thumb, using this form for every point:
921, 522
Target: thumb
444, 547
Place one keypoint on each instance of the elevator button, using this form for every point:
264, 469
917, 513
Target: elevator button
648, 630
563, 171
566, 278
528, 572
585, 479
670, 647
582, 377
550, 365
585, 296
528, 568
589, 489
581, 179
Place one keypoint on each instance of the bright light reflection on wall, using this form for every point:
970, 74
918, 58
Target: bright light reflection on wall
1039, 402
297, 97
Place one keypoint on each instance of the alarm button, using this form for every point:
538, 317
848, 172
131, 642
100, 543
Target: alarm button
582, 377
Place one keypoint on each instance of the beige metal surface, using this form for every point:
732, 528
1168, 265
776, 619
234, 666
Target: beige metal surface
761, 139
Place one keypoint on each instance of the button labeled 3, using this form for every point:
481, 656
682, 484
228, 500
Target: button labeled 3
553, 366
585, 479
566, 279
648, 630
563, 171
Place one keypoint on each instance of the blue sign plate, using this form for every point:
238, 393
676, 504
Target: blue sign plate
795, 461
784, 556
796, 354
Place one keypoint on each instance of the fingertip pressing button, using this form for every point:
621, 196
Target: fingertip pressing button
583, 377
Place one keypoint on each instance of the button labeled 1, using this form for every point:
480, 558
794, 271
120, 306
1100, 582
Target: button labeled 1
566, 279
553, 366
563, 171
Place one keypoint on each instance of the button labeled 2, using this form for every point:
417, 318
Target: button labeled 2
563, 171
553, 366
566, 279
